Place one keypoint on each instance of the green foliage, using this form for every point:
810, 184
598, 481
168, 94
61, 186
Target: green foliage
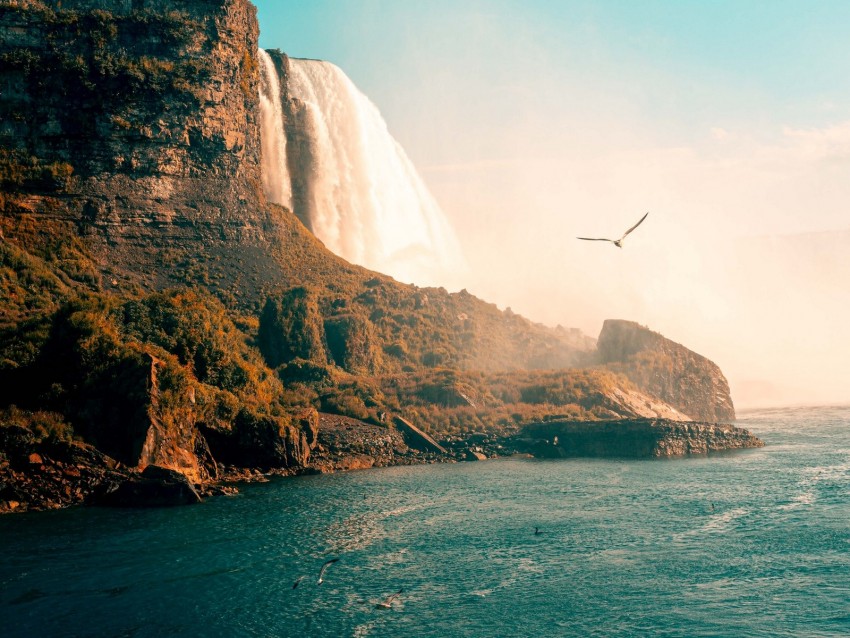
94, 360
197, 329
18, 171
84, 371
452, 402
50, 426
346, 403
48, 251
291, 328
305, 371
28, 286
352, 343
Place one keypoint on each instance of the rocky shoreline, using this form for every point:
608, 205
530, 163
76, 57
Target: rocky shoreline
159, 307
42, 475
633, 438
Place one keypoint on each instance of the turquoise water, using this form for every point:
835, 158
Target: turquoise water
752, 543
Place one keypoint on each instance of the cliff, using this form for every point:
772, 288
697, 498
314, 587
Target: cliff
158, 311
129, 141
667, 370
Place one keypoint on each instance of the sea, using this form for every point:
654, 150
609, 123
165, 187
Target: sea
745, 543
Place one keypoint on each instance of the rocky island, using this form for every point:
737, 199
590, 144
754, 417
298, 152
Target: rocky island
165, 328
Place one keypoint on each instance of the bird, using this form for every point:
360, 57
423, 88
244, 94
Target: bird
297, 582
387, 603
617, 242
324, 567
537, 531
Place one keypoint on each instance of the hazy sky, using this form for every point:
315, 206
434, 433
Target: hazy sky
533, 122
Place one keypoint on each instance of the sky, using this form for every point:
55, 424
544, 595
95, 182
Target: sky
534, 122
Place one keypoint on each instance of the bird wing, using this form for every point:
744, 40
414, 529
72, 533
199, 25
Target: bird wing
388, 601
633, 227
594, 239
325, 566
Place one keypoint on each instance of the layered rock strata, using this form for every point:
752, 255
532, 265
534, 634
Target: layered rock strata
134, 124
632, 438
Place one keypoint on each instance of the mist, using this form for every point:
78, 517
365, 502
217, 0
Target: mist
720, 264
535, 123
742, 257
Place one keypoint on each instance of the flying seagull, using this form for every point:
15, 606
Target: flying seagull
324, 567
617, 242
387, 603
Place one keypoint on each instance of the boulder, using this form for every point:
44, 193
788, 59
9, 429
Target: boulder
475, 455
155, 487
416, 438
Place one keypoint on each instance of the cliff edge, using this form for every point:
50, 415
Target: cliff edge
667, 370
157, 310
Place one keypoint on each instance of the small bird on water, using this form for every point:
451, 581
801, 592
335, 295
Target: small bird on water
537, 531
387, 603
324, 568
617, 242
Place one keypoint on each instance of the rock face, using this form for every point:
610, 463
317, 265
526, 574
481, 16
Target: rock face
130, 163
349, 444
662, 368
135, 124
155, 487
172, 439
50, 474
264, 441
633, 438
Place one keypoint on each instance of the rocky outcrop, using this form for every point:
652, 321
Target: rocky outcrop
154, 487
134, 124
662, 368
38, 475
632, 438
350, 444
172, 439
264, 440
415, 437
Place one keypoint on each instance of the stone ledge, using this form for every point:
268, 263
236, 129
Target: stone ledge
631, 438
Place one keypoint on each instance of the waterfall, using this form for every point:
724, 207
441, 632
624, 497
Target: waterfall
276, 180
352, 183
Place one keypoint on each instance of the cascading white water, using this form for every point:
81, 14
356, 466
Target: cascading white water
276, 180
353, 184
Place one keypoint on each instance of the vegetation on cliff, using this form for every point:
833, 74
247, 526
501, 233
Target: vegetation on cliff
153, 305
